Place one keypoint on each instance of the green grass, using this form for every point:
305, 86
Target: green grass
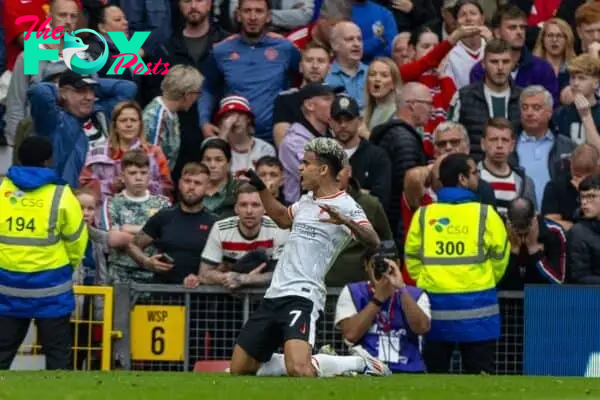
187, 386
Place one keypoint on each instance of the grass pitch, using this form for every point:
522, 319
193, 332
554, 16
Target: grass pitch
187, 386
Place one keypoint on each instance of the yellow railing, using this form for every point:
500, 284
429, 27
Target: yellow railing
93, 315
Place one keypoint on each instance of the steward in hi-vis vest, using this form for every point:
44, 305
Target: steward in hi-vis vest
43, 237
457, 251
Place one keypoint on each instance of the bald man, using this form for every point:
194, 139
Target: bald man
402, 53
402, 141
347, 70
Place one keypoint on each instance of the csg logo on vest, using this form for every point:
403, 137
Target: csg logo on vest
18, 198
444, 224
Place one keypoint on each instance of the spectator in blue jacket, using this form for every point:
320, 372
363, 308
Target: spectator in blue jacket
509, 24
152, 16
74, 116
254, 64
377, 26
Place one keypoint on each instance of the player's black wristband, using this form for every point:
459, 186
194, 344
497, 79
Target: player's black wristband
378, 303
255, 180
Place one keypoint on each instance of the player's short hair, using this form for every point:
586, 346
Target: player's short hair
268, 161
452, 167
499, 123
584, 64
244, 188
592, 182
506, 13
588, 13
194, 168
329, 152
135, 158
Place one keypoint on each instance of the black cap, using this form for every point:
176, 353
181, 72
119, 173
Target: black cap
344, 104
76, 80
317, 89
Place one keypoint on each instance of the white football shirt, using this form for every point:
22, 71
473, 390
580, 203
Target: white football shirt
312, 247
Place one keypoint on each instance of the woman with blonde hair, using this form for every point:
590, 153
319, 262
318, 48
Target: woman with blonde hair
381, 89
102, 171
555, 43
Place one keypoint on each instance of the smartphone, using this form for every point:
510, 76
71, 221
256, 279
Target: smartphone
167, 258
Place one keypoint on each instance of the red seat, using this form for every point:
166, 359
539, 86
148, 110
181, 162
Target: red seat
211, 366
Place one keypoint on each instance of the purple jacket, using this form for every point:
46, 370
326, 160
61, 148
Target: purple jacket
291, 153
532, 70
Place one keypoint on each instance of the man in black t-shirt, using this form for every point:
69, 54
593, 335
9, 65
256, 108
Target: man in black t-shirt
287, 109
179, 233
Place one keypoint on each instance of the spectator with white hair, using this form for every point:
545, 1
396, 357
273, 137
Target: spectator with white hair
347, 70
401, 139
180, 90
539, 149
495, 96
402, 53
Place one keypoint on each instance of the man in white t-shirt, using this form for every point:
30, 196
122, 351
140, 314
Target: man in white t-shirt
322, 223
241, 250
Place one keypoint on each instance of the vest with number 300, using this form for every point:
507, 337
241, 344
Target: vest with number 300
458, 253
42, 234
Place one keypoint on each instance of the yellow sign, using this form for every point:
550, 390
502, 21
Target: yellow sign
158, 333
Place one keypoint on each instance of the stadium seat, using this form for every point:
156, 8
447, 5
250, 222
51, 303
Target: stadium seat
211, 366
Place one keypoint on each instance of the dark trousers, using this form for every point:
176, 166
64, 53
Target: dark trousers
55, 336
477, 357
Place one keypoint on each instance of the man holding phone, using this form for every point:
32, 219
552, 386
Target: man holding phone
383, 315
179, 233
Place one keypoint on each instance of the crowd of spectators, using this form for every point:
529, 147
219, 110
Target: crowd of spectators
399, 84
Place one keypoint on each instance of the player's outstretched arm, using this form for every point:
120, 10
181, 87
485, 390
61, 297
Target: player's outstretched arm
362, 231
273, 208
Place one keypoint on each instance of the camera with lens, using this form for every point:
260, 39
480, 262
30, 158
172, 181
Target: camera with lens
387, 249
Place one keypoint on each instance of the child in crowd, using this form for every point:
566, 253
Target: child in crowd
127, 212
270, 170
92, 272
580, 119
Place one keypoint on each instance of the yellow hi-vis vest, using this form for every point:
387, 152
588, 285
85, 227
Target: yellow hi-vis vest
458, 253
42, 238
456, 248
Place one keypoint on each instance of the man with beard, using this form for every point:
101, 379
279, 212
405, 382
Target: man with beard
179, 233
254, 64
314, 67
191, 46
370, 163
495, 96
509, 24
241, 250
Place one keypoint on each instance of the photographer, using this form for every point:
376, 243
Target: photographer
383, 315
538, 248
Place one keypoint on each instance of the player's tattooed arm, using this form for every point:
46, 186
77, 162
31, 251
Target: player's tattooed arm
365, 234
